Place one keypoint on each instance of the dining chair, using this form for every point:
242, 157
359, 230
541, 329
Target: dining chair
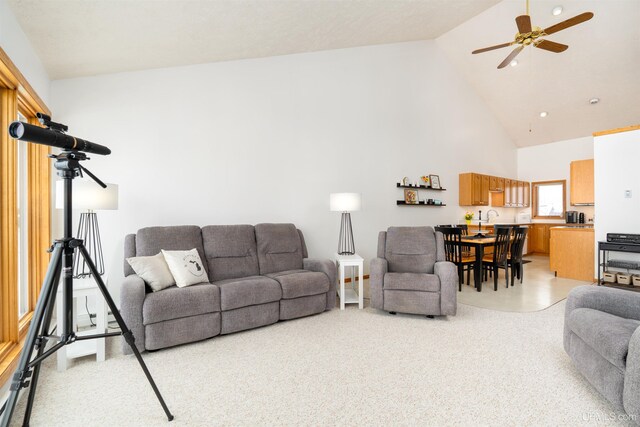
515, 253
498, 259
454, 252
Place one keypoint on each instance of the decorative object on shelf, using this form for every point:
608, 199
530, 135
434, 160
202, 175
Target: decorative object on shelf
468, 216
91, 197
435, 181
411, 197
426, 180
437, 202
405, 181
346, 203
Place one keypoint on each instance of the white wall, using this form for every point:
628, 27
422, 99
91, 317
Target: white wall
550, 162
267, 140
616, 170
16, 44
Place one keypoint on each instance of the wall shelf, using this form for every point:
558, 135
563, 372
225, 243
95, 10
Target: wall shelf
403, 203
421, 187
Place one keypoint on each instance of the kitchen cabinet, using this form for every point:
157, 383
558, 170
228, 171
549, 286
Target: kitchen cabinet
496, 183
527, 194
507, 192
539, 238
581, 186
572, 252
520, 194
474, 189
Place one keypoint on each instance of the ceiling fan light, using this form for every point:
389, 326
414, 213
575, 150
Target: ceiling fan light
557, 10
513, 63
543, 114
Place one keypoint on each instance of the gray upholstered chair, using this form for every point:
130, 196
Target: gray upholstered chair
410, 274
602, 337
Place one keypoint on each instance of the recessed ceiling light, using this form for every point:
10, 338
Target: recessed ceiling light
556, 10
513, 63
594, 101
544, 114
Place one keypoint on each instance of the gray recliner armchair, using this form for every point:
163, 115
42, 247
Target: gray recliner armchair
410, 274
602, 337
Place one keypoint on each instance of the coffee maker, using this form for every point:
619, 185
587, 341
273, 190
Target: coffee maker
581, 218
572, 217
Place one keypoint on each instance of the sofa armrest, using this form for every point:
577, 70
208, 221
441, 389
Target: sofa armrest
618, 302
447, 272
377, 270
132, 295
632, 378
329, 268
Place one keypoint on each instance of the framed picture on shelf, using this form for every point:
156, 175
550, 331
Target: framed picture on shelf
411, 197
435, 181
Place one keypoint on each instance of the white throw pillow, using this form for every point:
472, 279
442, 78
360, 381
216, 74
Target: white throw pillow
186, 267
153, 270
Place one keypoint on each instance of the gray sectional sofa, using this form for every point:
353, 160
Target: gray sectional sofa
259, 275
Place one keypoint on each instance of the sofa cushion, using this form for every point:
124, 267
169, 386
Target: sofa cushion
410, 249
607, 334
151, 240
175, 302
243, 292
301, 283
279, 247
412, 282
231, 251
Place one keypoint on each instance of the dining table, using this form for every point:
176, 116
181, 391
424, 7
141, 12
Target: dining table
478, 242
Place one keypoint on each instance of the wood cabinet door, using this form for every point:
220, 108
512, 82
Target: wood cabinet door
581, 186
499, 184
493, 183
484, 190
476, 189
520, 194
546, 242
527, 194
507, 192
514, 193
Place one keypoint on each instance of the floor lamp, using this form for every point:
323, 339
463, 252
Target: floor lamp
345, 203
90, 197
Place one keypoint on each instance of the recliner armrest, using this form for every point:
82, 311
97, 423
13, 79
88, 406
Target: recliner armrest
447, 272
631, 389
377, 269
132, 295
329, 268
618, 302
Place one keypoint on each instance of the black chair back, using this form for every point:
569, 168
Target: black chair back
517, 245
501, 247
452, 247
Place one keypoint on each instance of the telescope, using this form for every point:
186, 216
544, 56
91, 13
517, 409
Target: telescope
54, 136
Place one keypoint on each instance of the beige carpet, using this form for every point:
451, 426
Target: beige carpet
540, 289
352, 367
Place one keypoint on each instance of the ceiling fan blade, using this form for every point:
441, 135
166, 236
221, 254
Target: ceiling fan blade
486, 49
578, 19
551, 46
512, 55
524, 24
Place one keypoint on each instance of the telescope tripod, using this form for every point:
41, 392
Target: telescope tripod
61, 265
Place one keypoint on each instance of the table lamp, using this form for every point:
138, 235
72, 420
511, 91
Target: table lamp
345, 203
89, 196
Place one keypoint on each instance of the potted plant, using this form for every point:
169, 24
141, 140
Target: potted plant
468, 217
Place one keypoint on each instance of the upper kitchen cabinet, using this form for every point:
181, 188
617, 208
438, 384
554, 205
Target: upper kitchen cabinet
582, 182
474, 189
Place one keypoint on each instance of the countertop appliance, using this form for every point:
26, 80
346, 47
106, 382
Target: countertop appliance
581, 218
572, 217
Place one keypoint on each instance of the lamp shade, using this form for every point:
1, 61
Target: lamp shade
89, 195
345, 202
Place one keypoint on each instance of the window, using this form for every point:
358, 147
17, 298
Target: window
25, 179
549, 199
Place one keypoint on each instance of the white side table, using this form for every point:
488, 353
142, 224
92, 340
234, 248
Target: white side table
349, 296
83, 288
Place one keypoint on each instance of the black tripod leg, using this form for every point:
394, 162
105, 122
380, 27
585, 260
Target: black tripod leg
44, 331
22, 372
126, 333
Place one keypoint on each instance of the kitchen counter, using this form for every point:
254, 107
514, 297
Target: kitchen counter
578, 227
572, 251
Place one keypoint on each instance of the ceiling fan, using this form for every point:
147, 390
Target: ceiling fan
528, 35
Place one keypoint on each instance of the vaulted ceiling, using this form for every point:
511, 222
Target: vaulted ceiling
79, 38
